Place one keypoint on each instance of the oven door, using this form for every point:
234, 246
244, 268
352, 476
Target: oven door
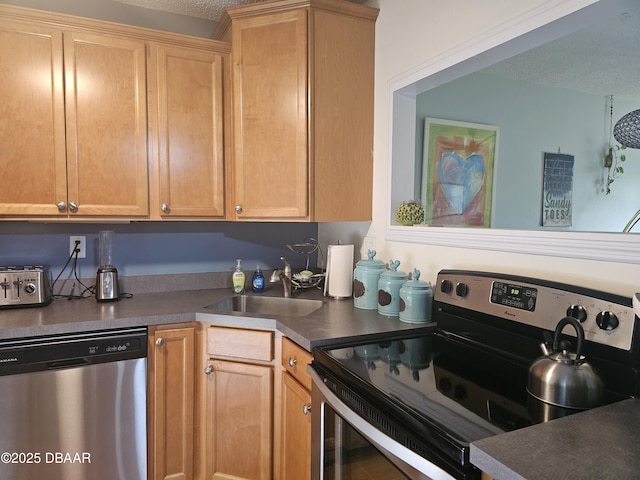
345, 446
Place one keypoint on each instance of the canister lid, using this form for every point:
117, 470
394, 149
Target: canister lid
393, 272
416, 282
370, 262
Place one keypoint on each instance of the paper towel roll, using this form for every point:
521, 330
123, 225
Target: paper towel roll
339, 280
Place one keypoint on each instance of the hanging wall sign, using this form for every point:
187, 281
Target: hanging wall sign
557, 190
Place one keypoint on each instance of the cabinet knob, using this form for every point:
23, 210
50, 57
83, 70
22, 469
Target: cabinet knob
292, 362
62, 206
208, 370
306, 409
165, 208
73, 207
238, 209
160, 341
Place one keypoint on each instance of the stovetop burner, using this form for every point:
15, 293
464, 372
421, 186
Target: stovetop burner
465, 379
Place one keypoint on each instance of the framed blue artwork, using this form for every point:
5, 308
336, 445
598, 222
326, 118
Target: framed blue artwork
458, 163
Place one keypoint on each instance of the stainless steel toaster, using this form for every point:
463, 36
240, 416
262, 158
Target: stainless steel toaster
24, 286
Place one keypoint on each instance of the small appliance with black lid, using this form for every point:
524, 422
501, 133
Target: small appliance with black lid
107, 288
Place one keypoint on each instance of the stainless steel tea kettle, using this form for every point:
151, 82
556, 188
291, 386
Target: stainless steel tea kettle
564, 379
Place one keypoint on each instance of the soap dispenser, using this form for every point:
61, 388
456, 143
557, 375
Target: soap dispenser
238, 278
257, 282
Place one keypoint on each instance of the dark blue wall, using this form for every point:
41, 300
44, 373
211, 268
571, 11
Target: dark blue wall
151, 248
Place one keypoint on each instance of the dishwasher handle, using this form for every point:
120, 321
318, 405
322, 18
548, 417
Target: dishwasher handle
69, 363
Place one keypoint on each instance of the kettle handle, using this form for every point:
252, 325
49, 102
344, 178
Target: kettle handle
579, 333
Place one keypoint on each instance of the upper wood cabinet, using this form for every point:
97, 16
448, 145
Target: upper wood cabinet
105, 120
302, 81
186, 126
112, 121
33, 155
105, 97
74, 130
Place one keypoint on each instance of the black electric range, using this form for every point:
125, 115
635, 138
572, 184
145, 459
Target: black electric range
464, 377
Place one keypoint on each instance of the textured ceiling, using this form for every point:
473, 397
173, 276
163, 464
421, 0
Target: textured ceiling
207, 9
602, 59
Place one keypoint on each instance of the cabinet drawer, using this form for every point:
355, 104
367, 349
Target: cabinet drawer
240, 343
295, 360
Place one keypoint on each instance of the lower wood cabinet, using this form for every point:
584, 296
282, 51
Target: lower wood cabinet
295, 460
244, 414
172, 394
295, 432
237, 404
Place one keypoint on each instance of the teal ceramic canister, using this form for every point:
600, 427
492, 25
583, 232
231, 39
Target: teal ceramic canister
389, 290
365, 281
416, 300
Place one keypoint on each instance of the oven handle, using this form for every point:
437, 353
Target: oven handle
408, 461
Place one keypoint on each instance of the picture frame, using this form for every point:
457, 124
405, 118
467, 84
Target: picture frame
557, 190
458, 169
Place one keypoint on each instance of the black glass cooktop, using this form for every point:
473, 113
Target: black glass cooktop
434, 393
459, 391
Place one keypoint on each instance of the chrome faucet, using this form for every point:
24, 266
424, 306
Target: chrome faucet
285, 276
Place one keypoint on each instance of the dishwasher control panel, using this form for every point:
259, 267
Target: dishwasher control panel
56, 352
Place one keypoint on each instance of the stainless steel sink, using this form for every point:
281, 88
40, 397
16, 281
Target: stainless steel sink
276, 306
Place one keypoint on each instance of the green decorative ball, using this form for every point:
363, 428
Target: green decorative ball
410, 213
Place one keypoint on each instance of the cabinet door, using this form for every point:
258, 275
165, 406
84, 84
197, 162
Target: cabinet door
343, 92
105, 86
239, 421
296, 430
171, 403
270, 116
189, 125
33, 157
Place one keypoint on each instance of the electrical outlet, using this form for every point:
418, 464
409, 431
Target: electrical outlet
82, 246
369, 243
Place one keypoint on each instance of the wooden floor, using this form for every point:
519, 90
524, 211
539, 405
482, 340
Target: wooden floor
366, 465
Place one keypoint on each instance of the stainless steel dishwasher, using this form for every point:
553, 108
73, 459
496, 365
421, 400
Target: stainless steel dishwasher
73, 407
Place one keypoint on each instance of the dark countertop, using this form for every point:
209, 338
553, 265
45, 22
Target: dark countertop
335, 321
602, 443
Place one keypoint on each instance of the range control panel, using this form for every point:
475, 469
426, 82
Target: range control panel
24, 286
606, 318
